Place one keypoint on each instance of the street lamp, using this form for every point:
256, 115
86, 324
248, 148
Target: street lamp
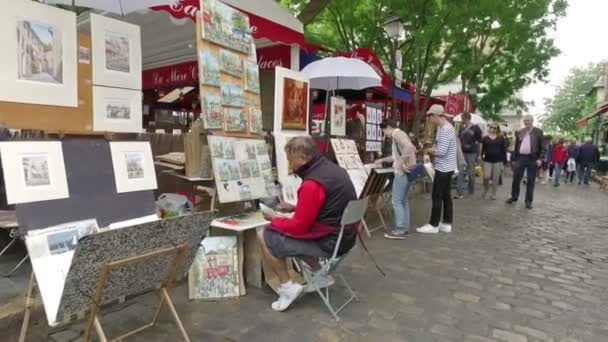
393, 27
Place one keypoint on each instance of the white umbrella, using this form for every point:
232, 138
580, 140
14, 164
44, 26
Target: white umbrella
121, 7
476, 119
335, 73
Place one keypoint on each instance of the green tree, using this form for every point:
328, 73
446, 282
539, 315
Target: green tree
571, 101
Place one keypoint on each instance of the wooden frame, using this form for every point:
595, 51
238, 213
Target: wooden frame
377, 184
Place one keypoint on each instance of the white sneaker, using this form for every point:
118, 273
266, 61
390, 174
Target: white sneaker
321, 282
287, 294
445, 227
428, 229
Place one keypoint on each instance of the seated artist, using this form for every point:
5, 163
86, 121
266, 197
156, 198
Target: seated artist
312, 231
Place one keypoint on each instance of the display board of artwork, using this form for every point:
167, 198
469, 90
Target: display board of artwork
215, 270
241, 167
228, 70
337, 116
133, 166
33, 171
373, 133
348, 158
290, 182
291, 102
117, 60
117, 110
39, 59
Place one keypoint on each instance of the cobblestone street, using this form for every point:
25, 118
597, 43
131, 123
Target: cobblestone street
504, 274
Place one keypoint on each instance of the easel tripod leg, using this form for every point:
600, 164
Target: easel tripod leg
29, 302
175, 315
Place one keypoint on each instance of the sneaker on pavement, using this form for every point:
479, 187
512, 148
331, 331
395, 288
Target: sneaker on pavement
321, 282
528, 205
511, 200
395, 236
287, 294
445, 227
458, 197
428, 229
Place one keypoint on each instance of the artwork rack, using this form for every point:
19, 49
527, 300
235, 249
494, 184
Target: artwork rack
377, 185
93, 321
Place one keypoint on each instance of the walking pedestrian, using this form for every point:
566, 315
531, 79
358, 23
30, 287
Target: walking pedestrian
470, 136
559, 159
545, 171
494, 154
573, 152
404, 159
529, 152
445, 152
588, 155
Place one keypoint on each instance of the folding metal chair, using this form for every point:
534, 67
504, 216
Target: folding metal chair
353, 214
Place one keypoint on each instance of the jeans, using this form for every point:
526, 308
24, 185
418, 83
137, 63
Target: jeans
401, 207
442, 198
471, 160
557, 173
527, 164
491, 171
584, 173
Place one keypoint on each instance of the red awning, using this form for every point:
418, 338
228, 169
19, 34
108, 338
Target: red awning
585, 120
260, 27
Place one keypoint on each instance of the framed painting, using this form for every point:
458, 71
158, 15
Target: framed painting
212, 112
232, 95
33, 171
255, 120
39, 59
252, 77
338, 116
133, 166
291, 101
117, 58
209, 68
225, 26
117, 110
215, 270
235, 120
231, 63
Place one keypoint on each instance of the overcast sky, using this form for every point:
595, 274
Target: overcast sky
581, 38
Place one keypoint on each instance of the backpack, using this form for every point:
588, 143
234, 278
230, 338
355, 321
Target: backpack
467, 139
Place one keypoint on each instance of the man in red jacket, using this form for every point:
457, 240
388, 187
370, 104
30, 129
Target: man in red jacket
312, 231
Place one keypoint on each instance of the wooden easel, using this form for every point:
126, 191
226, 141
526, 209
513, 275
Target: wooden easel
93, 321
376, 185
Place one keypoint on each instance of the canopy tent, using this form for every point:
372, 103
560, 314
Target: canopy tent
585, 120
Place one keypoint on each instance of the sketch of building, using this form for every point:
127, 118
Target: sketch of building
39, 52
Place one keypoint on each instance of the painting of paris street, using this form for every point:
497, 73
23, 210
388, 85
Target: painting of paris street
36, 170
117, 53
39, 53
135, 165
118, 109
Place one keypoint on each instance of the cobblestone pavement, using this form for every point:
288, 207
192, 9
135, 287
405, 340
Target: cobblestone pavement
503, 274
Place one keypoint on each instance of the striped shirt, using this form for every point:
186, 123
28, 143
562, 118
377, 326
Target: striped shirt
446, 149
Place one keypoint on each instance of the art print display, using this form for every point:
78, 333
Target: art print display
238, 166
290, 183
209, 68
226, 26
255, 120
338, 116
117, 110
231, 63
213, 117
291, 101
33, 171
252, 77
359, 178
40, 54
348, 158
235, 120
133, 166
117, 60
232, 95
373, 130
215, 270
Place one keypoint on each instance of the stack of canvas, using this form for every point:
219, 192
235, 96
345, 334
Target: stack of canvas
229, 75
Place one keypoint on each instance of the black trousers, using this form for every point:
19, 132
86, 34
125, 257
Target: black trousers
442, 198
527, 164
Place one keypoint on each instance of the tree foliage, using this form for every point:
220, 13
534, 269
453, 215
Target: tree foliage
570, 102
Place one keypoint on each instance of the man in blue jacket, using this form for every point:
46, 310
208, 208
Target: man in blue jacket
588, 155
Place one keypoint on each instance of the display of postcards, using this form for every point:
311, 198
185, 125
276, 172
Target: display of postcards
254, 168
351, 147
235, 120
265, 164
232, 95
252, 77
212, 112
245, 168
39, 51
369, 111
354, 161
250, 151
269, 184
261, 149
222, 149
244, 191
210, 68
231, 63
341, 159
228, 170
225, 26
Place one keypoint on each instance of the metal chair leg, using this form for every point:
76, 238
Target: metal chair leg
9, 245
17, 266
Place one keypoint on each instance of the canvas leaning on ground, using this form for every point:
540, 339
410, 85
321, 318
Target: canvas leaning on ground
215, 270
133, 166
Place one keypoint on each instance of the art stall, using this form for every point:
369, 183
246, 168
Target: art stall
83, 191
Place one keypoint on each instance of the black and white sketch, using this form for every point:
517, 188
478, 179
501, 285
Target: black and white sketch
135, 165
118, 109
66, 240
35, 170
39, 52
117, 52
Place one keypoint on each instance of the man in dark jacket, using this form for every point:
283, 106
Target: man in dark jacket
588, 155
313, 229
470, 136
529, 152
